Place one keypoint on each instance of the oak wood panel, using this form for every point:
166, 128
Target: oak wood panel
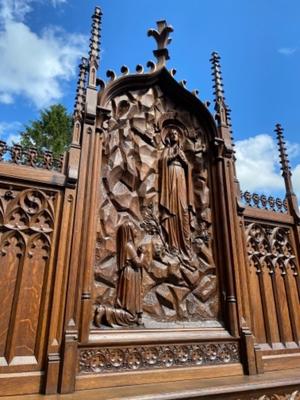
282, 308
233, 388
294, 303
268, 216
270, 317
20, 383
169, 375
24, 332
257, 308
280, 362
12, 259
35, 175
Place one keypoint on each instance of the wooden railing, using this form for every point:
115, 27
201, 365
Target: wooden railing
20, 155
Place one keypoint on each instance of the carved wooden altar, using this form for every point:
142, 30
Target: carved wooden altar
135, 257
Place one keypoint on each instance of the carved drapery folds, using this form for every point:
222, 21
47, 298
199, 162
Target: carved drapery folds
275, 280
155, 178
26, 226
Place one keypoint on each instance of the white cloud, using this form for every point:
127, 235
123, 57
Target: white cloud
287, 51
257, 164
58, 2
9, 131
34, 65
258, 167
293, 150
13, 138
14, 9
296, 180
6, 98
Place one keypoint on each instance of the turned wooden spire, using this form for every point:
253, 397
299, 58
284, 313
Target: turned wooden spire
94, 54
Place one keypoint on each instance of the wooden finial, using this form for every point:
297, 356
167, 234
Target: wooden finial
161, 36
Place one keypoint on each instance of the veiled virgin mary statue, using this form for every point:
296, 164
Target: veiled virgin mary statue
176, 193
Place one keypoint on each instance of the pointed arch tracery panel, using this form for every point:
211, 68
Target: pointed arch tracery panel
274, 283
154, 262
26, 232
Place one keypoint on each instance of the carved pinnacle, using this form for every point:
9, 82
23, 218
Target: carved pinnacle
95, 36
81, 84
217, 76
223, 112
284, 161
161, 36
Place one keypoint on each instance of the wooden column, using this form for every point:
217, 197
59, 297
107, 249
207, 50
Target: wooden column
77, 295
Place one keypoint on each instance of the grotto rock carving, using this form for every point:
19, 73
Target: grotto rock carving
154, 176
128, 307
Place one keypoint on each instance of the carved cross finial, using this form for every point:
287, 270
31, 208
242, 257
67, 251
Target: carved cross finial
81, 85
95, 36
161, 36
284, 161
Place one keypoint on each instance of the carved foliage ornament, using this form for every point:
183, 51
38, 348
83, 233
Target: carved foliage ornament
288, 396
155, 182
109, 360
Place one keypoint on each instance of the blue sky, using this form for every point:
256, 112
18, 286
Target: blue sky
41, 42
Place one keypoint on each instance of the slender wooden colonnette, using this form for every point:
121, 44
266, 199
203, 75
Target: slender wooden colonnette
135, 260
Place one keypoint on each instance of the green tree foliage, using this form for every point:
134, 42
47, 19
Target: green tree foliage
52, 131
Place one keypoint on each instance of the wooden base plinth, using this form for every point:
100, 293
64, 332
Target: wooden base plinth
280, 383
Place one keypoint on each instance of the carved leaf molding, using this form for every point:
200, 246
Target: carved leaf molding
122, 359
289, 396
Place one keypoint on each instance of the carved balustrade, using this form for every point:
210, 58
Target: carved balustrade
264, 202
19, 155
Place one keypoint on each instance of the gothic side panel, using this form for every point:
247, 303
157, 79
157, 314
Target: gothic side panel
26, 229
154, 262
274, 277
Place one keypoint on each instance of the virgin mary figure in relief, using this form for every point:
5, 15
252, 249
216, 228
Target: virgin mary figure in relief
176, 193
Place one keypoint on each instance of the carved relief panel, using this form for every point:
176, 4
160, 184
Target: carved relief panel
154, 261
26, 230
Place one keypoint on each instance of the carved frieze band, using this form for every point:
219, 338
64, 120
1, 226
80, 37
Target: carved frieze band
286, 396
122, 359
